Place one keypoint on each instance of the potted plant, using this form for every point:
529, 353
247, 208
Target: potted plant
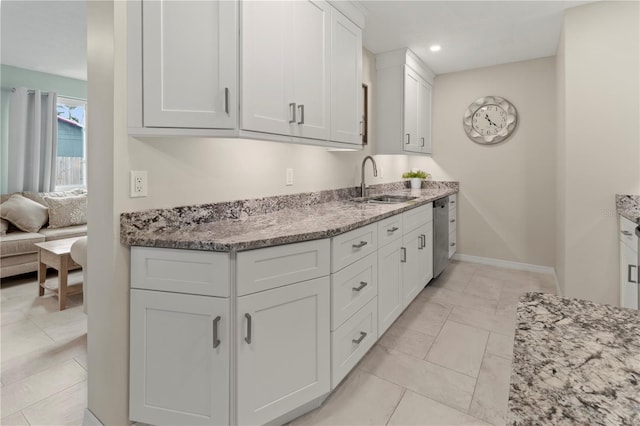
416, 176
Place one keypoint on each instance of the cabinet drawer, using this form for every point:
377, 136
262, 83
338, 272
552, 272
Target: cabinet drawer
390, 229
452, 246
353, 245
272, 267
452, 224
627, 233
352, 288
413, 218
352, 340
181, 271
453, 201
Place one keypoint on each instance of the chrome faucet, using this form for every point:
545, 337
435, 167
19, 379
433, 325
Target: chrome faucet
363, 186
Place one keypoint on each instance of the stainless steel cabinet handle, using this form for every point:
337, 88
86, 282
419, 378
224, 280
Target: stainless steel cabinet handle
394, 229
422, 142
361, 128
452, 220
627, 233
360, 339
408, 138
216, 341
452, 202
362, 244
423, 241
301, 109
292, 112
248, 336
226, 100
362, 285
453, 244
629, 268
404, 255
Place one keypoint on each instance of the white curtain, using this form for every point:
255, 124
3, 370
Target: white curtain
33, 140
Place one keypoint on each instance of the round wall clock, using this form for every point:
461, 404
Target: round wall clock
490, 120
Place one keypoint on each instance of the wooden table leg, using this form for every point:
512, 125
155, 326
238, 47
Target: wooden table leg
62, 282
42, 273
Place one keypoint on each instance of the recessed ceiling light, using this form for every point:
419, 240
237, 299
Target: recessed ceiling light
435, 48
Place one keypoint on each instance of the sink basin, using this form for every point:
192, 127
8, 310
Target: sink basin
384, 199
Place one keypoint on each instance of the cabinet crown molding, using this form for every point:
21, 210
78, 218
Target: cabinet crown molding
404, 56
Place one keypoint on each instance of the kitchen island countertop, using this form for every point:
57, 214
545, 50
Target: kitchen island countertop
574, 362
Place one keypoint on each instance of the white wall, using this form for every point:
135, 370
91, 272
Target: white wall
181, 172
507, 199
601, 126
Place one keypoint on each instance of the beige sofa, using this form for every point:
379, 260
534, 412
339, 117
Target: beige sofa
18, 255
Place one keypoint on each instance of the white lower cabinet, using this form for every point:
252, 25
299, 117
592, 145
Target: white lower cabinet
179, 367
425, 255
283, 350
629, 276
411, 250
352, 340
390, 300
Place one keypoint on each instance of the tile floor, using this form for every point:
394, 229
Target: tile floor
445, 361
43, 375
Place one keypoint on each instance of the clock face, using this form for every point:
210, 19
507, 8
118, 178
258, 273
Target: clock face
490, 120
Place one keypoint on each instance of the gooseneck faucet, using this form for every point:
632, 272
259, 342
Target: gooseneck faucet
363, 186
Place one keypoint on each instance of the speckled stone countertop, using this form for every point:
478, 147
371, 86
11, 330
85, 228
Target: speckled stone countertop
574, 363
250, 224
629, 206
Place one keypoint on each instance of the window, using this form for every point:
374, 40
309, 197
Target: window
71, 155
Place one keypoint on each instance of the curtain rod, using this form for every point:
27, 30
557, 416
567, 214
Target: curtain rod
32, 91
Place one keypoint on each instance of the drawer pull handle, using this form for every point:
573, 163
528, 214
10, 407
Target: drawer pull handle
452, 220
216, 341
423, 241
362, 285
360, 339
248, 336
301, 110
408, 138
292, 112
629, 268
404, 255
452, 202
362, 244
394, 229
626, 233
453, 244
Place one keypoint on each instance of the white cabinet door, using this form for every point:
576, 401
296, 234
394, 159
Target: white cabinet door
628, 277
179, 359
311, 66
266, 71
283, 349
346, 80
411, 108
410, 258
390, 300
285, 68
425, 255
189, 64
424, 116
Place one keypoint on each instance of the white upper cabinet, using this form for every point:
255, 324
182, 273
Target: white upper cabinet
346, 80
285, 68
404, 86
189, 64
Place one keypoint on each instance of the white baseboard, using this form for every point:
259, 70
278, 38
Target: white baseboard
89, 419
507, 264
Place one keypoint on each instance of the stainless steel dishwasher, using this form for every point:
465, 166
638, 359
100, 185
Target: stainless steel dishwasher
440, 235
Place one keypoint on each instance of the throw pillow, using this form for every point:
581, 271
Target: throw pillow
25, 214
4, 227
38, 197
67, 211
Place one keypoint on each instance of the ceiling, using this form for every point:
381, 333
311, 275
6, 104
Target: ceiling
50, 36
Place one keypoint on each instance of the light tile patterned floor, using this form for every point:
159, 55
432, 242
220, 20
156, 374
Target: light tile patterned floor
445, 361
44, 351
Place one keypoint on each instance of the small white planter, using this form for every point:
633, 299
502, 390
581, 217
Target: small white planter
416, 183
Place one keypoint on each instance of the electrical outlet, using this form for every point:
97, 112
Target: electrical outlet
138, 183
381, 172
289, 180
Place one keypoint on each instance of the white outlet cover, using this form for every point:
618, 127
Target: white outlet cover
289, 179
138, 183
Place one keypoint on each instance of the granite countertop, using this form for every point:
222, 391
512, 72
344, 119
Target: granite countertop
251, 224
629, 206
574, 362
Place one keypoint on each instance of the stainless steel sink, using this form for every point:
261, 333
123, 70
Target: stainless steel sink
384, 199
